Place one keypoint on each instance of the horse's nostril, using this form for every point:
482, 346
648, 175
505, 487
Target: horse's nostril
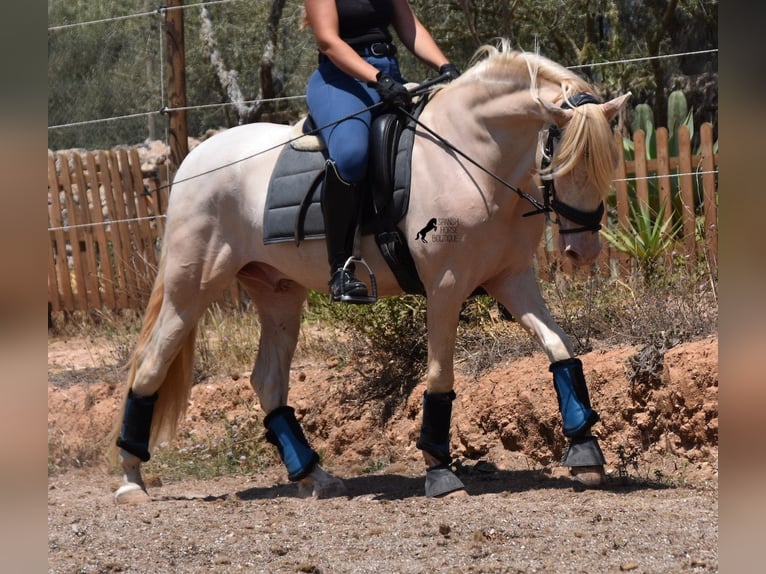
572, 254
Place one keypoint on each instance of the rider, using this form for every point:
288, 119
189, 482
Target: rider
357, 68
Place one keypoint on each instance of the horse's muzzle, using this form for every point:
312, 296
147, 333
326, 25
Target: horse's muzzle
580, 248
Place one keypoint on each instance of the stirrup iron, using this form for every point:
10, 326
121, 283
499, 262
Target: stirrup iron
357, 299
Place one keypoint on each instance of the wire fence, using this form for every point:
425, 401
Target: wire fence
66, 232
155, 63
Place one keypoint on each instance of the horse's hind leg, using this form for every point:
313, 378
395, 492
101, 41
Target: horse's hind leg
162, 359
279, 311
520, 294
160, 368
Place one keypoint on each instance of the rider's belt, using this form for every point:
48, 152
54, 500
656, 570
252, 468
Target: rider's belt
377, 49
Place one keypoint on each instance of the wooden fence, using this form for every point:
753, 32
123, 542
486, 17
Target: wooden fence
106, 219
686, 186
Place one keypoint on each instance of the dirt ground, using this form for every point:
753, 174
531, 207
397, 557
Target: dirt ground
658, 511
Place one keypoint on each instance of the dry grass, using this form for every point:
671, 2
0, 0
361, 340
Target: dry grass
387, 343
389, 340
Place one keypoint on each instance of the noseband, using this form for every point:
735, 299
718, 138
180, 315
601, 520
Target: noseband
587, 220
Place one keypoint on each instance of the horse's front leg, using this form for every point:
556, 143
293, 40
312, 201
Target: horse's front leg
434, 438
279, 312
520, 294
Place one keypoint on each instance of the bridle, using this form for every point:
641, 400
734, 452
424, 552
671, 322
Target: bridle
587, 220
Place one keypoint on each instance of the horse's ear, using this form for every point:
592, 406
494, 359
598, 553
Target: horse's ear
613, 106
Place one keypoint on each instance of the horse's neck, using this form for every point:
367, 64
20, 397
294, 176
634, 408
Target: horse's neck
494, 124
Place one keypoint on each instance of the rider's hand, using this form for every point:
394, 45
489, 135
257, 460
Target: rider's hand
391, 91
450, 71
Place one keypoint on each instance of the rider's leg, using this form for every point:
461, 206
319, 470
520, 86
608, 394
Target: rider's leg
332, 96
340, 209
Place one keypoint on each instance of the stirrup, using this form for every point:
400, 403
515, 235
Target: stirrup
360, 299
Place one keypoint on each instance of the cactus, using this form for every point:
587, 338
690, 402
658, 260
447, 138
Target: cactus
679, 115
646, 237
643, 119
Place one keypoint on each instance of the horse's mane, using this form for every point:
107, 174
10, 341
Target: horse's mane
587, 136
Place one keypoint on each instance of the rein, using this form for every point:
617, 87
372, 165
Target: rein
539, 207
588, 220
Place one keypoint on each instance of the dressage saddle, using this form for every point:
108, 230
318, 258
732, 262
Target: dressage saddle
293, 207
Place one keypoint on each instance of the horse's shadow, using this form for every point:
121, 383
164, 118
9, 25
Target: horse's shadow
400, 487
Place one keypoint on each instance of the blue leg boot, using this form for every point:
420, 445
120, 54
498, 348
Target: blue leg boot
284, 432
574, 402
577, 415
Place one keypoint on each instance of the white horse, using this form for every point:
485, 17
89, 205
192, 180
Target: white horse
480, 141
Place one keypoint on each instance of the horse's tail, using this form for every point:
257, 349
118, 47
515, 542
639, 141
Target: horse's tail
173, 395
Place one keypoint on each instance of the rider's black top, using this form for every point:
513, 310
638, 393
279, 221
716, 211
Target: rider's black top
364, 22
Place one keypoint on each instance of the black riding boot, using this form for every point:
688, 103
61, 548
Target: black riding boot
340, 208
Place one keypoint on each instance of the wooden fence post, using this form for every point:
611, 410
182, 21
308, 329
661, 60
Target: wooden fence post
663, 171
176, 67
642, 185
709, 202
687, 192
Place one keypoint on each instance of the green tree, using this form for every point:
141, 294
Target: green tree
116, 68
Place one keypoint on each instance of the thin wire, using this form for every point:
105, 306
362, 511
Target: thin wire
256, 101
668, 175
275, 146
424, 87
101, 21
167, 110
110, 222
162, 215
303, 96
644, 59
112, 119
160, 10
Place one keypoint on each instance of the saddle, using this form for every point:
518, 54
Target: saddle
293, 209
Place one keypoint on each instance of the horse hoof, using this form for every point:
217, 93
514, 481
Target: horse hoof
330, 489
455, 494
131, 493
442, 482
588, 476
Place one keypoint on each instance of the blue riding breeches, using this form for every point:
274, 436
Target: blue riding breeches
331, 95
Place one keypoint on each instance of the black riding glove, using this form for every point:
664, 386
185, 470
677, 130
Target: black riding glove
450, 71
391, 92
